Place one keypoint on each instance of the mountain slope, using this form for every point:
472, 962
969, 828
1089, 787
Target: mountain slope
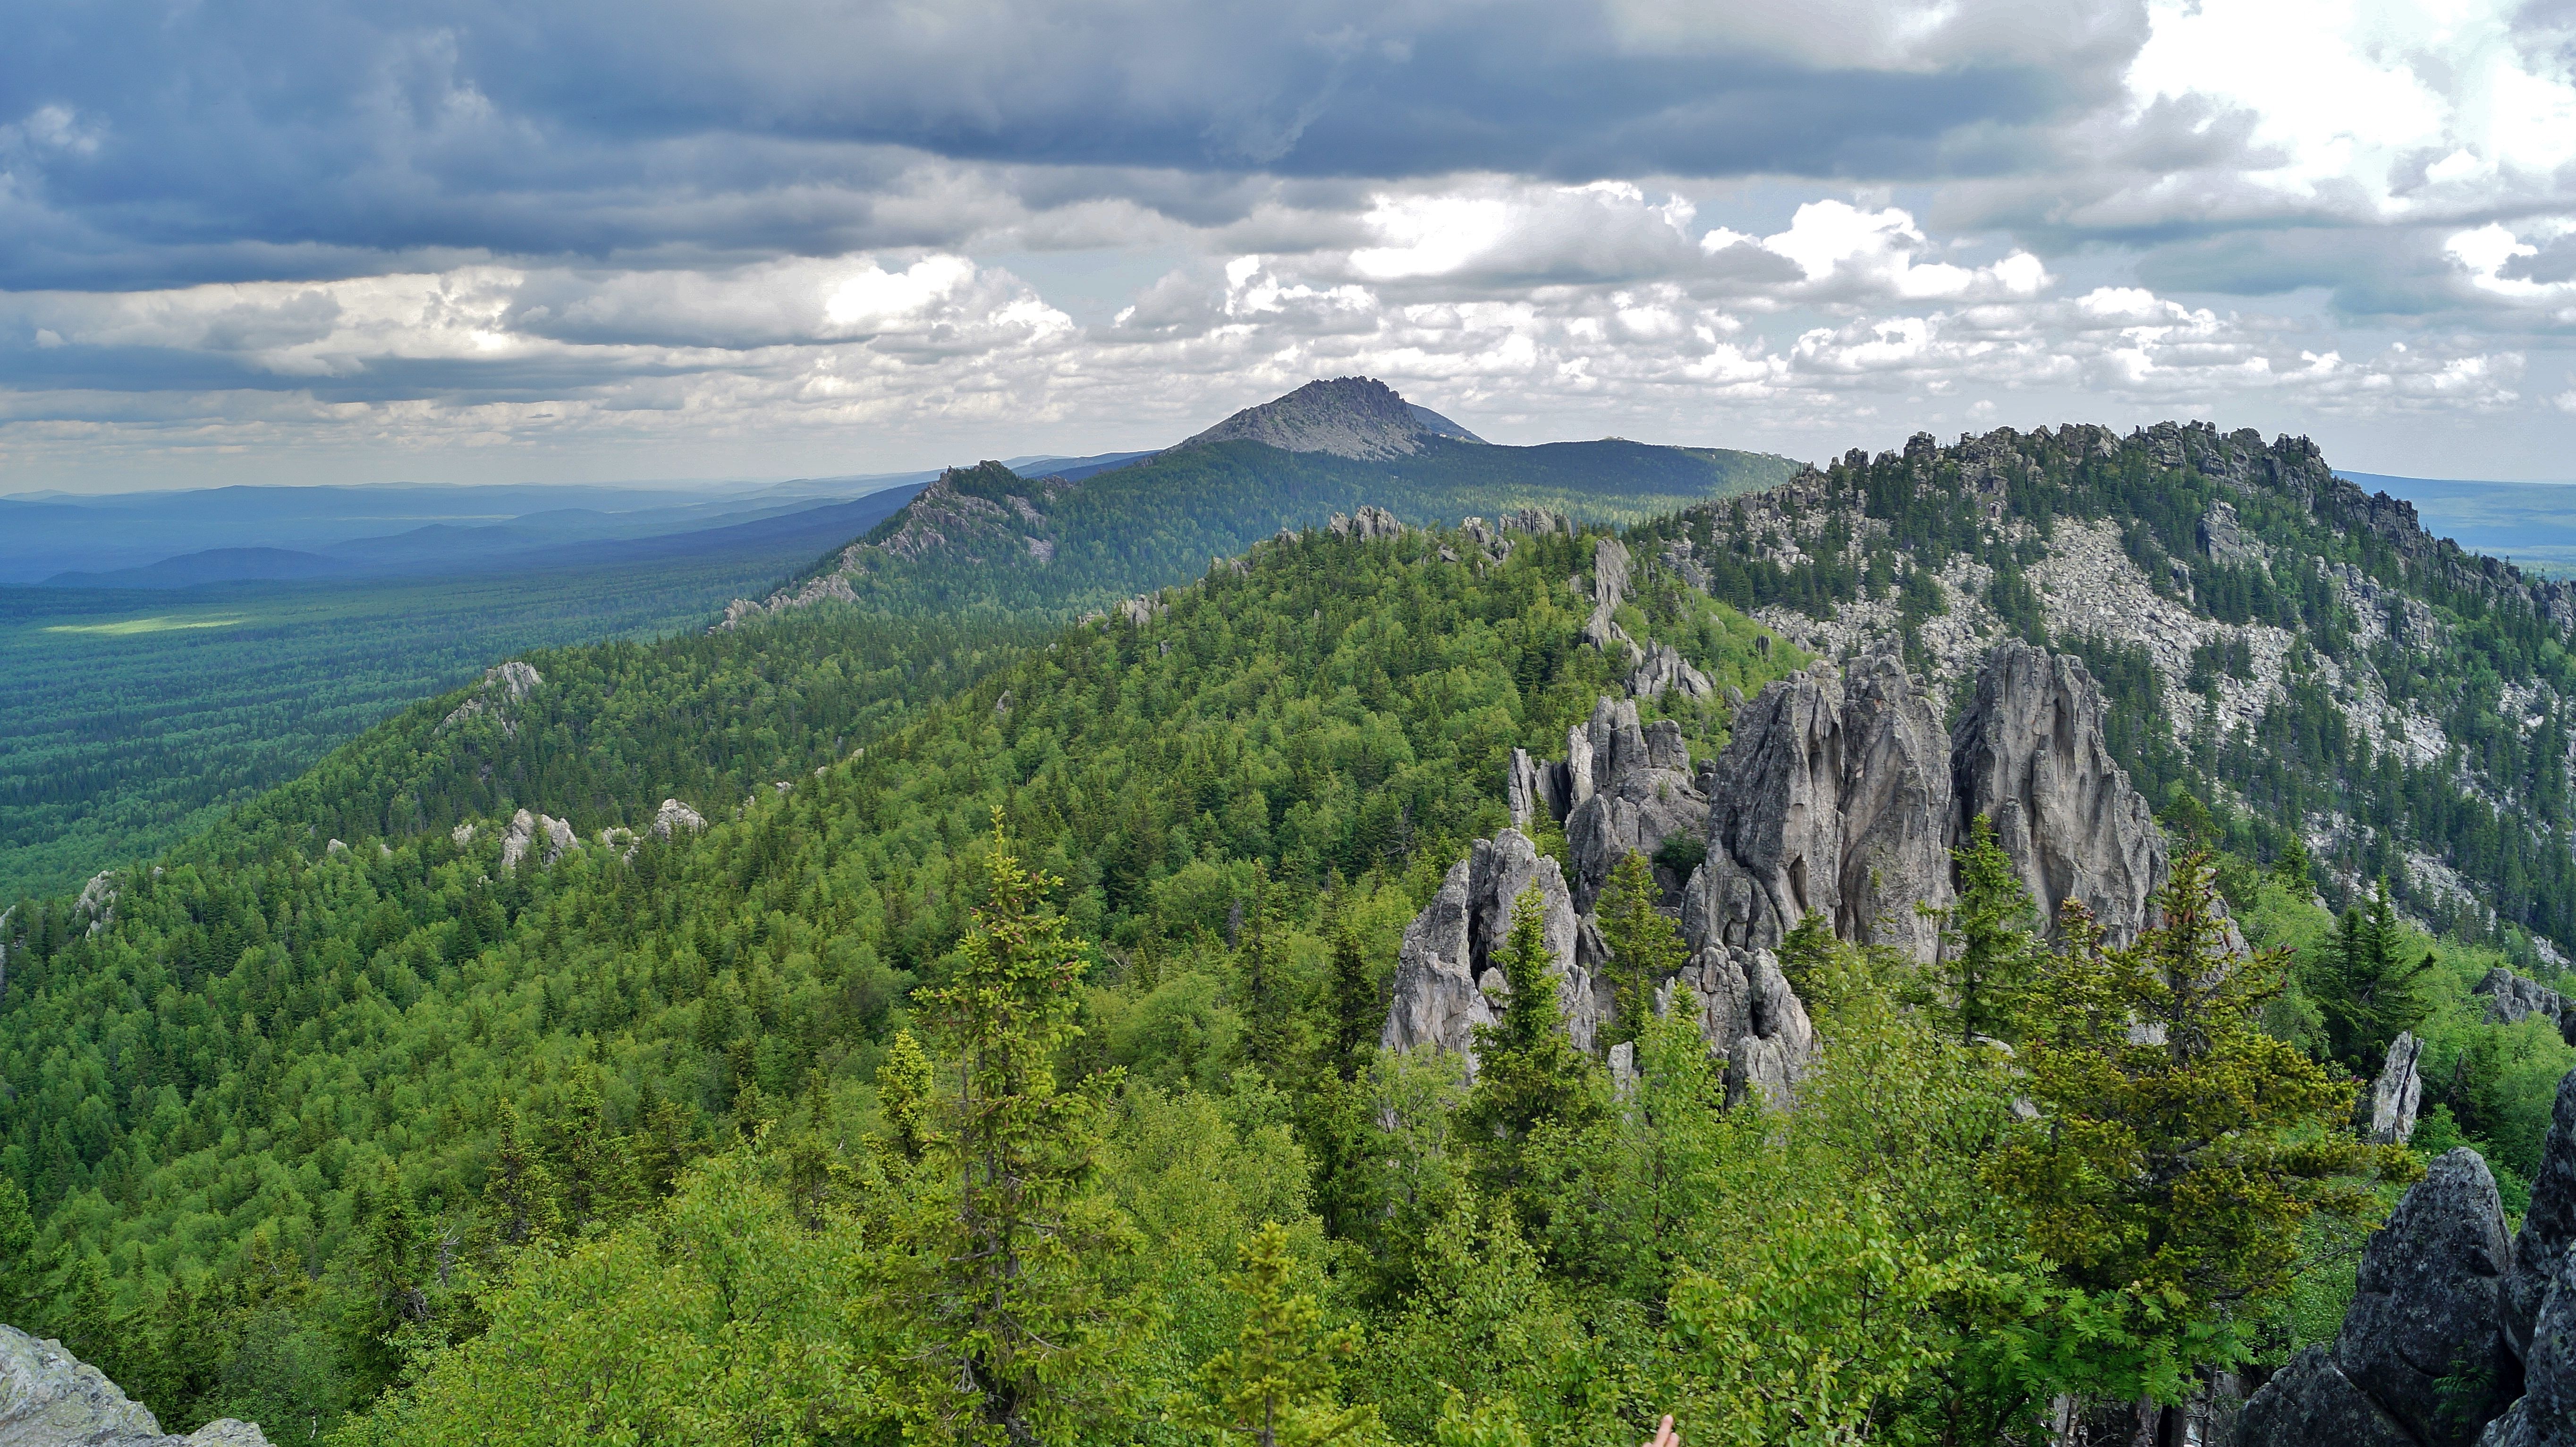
986, 537
2297, 653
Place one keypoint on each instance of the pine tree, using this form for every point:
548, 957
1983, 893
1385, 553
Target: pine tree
1275, 1385
1989, 947
1528, 1073
1645, 948
1016, 1340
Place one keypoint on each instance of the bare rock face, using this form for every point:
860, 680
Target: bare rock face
1637, 792
2545, 1416
1749, 1015
2311, 1403
1367, 524
1832, 797
50, 1398
1609, 589
2028, 753
1663, 669
528, 830
675, 816
2425, 1316
97, 902
2511, 998
2398, 1091
1446, 979
502, 685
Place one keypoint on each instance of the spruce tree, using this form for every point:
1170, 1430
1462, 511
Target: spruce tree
2365, 985
22, 1290
1989, 947
1644, 946
999, 1276
1528, 1073
519, 1187
1275, 1385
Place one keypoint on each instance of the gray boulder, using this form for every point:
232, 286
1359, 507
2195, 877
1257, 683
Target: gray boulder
1749, 1015
1446, 980
2511, 999
2422, 1335
1833, 796
2545, 1416
1663, 668
50, 1398
2029, 754
674, 817
2311, 1403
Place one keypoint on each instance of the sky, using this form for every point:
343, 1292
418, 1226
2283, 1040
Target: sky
307, 241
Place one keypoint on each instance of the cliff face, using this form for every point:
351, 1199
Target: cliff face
1838, 794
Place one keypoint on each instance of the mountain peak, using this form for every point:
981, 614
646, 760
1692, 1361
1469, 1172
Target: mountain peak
1347, 416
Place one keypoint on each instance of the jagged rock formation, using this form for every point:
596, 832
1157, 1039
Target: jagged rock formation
675, 816
1749, 1015
2511, 998
1832, 797
2029, 754
2420, 1358
526, 829
1610, 582
1663, 669
2548, 1225
1446, 981
502, 685
2399, 1090
1347, 416
1366, 525
97, 902
50, 1398
1624, 787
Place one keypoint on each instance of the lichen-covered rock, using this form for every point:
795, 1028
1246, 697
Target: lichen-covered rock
2397, 1092
2512, 998
2424, 1325
2310, 1403
2029, 754
50, 1398
2545, 1415
1638, 792
1449, 950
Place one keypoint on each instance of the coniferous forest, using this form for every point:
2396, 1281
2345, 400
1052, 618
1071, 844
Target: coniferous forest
989, 1051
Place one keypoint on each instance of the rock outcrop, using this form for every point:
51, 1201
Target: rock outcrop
1663, 670
97, 902
2548, 1224
2511, 998
502, 685
1627, 787
1446, 981
527, 829
675, 816
1347, 416
1833, 796
2421, 1356
1367, 524
50, 1398
2398, 1091
1749, 1015
2029, 754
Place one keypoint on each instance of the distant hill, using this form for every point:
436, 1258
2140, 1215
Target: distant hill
2531, 523
992, 537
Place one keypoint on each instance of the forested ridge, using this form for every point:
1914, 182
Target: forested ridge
1070, 949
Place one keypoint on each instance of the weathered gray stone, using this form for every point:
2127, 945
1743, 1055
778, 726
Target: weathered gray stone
1663, 668
1366, 524
500, 686
2397, 1092
527, 829
1609, 590
1749, 1015
1639, 792
2029, 754
2512, 999
50, 1398
2548, 1225
2545, 1416
1525, 791
1450, 947
1833, 797
2310, 1403
2425, 1320
675, 816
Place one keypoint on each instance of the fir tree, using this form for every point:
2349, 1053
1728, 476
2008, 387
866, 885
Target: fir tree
1528, 1073
518, 1187
906, 1098
1989, 948
2366, 986
1358, 1006
1644, 946
1275, 1385
21, 1270
1016, 1339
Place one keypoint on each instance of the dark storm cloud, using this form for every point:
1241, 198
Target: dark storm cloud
154, 144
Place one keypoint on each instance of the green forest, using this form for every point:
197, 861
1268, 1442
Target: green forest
136, 720
999, 1064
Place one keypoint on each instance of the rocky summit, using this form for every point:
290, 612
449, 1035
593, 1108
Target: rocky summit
1346, 416
50, 1398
